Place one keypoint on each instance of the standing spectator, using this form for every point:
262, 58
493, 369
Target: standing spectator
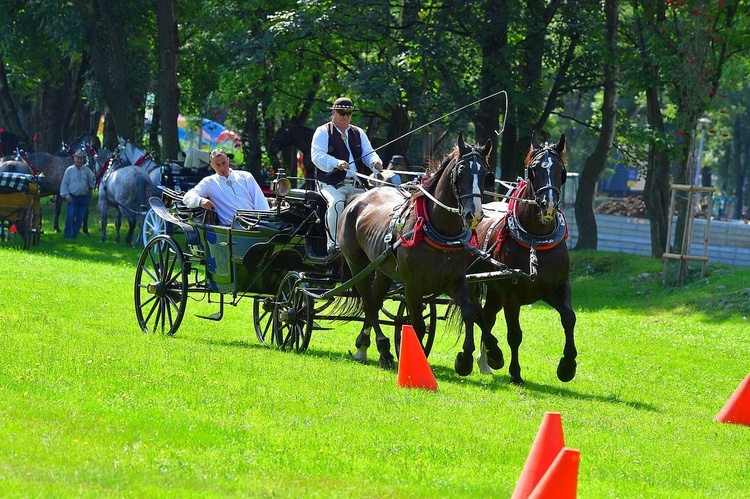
77, 184
335, 146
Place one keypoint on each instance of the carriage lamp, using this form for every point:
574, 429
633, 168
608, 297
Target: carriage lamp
281, 184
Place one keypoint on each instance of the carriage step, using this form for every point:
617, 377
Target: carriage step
216, 316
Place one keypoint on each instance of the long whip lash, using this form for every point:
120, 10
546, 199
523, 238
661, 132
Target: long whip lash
445, 116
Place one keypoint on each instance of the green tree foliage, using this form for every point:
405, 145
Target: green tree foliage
260, 63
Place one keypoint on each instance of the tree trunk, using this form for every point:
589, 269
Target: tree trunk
399, 125
8, 107
741, 160
167, 90
594, 164
251, 138
656, 193
121, 79
153, 135
493, 41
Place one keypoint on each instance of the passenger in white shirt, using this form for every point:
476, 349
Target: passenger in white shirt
226, 191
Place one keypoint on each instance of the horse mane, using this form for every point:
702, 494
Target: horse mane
433, 170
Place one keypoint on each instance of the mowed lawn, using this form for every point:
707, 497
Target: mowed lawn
91, 406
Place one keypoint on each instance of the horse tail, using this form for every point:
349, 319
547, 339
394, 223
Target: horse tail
348, 305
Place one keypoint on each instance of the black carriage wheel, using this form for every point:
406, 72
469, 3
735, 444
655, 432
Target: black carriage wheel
161, 284
263, 319
293, 314
429, 313
27, 228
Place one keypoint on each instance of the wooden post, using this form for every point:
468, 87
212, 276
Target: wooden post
684, 256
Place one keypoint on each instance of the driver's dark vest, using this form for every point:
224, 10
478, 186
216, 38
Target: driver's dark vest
337, 148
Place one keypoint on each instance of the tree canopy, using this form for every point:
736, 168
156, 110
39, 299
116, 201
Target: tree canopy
258, 64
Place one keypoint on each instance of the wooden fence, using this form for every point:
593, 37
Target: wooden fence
728, 242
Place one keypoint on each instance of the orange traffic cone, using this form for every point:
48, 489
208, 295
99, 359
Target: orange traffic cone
737, 408
547, 445
561, 479
413, 369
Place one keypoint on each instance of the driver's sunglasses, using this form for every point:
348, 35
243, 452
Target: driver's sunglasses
343, 113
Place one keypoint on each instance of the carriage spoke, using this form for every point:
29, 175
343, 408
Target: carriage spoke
293, 314
161, 286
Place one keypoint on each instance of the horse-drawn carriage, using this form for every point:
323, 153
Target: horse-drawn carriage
19, 207
278, 258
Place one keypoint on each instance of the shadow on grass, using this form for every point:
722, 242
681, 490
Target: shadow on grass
498, 382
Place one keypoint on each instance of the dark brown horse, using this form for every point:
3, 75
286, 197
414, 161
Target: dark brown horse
425, 238
301, 138
532, 228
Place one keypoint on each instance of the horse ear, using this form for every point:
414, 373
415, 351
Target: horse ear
534, 143
460, 141
487, 148
560, 146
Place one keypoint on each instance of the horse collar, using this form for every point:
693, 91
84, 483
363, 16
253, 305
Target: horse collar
540, 243
424, 230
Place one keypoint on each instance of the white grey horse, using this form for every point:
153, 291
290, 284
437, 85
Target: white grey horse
127, 189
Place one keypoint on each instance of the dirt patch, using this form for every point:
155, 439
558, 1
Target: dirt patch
632, 206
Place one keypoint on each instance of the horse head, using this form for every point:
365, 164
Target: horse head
282, 138
468, 177
546, 173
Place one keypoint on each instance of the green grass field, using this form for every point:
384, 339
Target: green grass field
93, 407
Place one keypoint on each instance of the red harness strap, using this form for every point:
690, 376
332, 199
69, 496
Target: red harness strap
418, 235
141, 160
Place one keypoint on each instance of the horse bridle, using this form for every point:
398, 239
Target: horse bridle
475, 167
543, 155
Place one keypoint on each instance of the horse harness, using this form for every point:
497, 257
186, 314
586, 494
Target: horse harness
509, 225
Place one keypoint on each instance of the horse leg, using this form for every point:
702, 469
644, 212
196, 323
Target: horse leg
462, 297
131, 229
85, 226
373, 294
490, 356
515, 336
58, 209
118, 223
380, 286
103, 211
566, 369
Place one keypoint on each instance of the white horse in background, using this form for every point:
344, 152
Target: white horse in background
134, 155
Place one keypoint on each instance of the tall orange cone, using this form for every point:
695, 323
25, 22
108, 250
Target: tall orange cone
413, 369
561, 479
737, 408
547, 445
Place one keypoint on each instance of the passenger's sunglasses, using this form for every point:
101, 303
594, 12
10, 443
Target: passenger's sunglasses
343, 113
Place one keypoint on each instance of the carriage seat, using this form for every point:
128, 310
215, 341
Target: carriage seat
11, 182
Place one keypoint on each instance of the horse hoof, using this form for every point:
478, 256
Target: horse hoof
387, 362
361, 355
495, 362
463, 364
566, 370
516, 380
